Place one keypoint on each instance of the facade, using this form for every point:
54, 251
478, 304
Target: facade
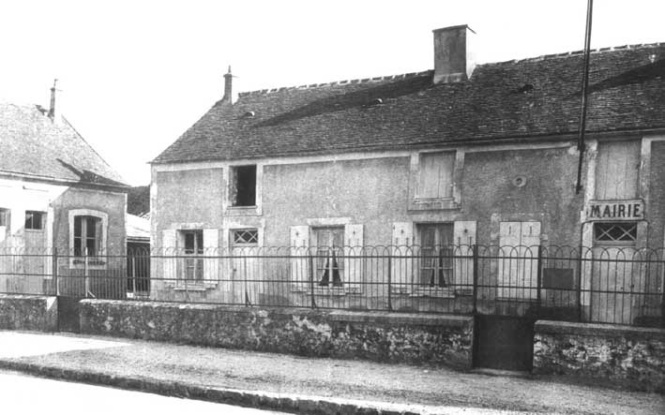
430, 164
62, 208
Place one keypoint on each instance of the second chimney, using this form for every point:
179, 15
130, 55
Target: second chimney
453, 57
228, 87
54, 108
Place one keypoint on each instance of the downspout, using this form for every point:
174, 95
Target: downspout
581, 147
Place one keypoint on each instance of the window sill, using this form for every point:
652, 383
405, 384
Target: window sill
438, 292
243, 211
329, 291
194, 286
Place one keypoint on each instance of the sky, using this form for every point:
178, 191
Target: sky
133, 75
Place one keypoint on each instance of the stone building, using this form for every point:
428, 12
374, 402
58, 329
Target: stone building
458, 156
59, 201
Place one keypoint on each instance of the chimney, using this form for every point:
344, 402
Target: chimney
54, 111
228, 87
453, 58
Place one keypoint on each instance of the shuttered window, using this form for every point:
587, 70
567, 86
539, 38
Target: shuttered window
435, 179
617, 169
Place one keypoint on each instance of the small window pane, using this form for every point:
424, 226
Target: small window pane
625, 232
246, 236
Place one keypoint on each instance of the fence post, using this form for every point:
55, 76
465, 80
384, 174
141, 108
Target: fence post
474, 250
311, 278
54, 271
390, 281
579, 285
86, 277
539, 277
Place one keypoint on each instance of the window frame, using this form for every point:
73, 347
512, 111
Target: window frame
94, 261
329, 269
30, 218
442, 262
417, 201
615, 243
194, 257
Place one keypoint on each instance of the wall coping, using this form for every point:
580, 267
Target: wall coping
376, 317
594, 329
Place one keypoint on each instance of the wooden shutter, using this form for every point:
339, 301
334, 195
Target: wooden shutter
169, 256
518, 259
353, 257
300, 256
211, 255
403, 256
617, 170
436, 175
464, 239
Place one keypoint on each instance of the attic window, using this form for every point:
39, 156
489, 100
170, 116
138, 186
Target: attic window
243, 186
249, 114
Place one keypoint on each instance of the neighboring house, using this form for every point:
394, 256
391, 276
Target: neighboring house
59, 200
457, 156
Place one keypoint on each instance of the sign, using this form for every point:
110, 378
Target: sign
615, 210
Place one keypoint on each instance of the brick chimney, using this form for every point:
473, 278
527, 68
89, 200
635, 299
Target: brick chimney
54, 110
453, 56
228, 87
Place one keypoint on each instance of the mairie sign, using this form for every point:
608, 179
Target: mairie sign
615, 210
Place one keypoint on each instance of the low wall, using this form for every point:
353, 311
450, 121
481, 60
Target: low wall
28, 312
387, 337
633, 357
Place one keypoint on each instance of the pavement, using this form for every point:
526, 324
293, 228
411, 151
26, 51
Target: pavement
305, 385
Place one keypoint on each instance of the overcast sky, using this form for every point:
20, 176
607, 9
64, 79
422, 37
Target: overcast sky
136, 74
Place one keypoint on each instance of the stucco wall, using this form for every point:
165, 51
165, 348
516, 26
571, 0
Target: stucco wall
404, 338
22, 312
630, 356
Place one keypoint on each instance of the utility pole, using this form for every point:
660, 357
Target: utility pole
581, 147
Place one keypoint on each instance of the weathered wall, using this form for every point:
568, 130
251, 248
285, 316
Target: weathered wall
23, 312
630, 356
490, 196
404, 338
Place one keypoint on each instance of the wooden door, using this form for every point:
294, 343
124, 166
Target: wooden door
518, 259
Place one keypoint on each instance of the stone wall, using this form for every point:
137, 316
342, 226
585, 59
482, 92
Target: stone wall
24, 312
633, 357
396, 338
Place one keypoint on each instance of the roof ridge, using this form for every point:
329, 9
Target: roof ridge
579, 52
335, 83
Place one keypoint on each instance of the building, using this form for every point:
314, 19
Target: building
62, 207
458, 156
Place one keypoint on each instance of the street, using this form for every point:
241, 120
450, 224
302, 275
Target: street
20, 394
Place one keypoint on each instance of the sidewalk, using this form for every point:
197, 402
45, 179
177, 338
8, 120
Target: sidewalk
304, 385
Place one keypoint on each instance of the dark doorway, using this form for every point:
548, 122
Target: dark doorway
504, 343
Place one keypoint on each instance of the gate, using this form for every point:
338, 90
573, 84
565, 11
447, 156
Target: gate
507, 302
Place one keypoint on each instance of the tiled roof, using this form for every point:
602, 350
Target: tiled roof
528, 99
34, 146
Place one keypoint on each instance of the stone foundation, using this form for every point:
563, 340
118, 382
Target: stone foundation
386, 337
633, 357
28, 312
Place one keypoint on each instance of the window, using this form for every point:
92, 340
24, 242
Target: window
87, 236
192, 262
617, 170
435, 177
4, 217
329, 255
436, 254
245, 237
35, 220
242, 191
615, 233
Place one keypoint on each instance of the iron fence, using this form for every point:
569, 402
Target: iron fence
605, 285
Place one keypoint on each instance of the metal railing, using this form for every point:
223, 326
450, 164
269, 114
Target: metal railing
606, 285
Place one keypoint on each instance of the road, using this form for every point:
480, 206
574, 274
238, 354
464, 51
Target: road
21, 394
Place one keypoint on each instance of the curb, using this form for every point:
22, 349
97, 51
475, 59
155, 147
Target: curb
253, 399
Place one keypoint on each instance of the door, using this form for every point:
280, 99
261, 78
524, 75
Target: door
35, 250
245, 264
617, 275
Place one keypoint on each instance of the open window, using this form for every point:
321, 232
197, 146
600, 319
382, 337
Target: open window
436, 254
242, 192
